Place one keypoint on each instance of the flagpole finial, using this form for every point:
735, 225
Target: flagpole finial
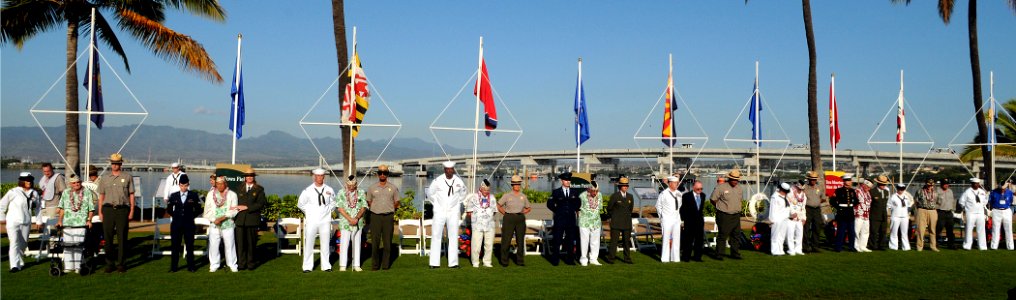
580, 59
239, 35
833, 74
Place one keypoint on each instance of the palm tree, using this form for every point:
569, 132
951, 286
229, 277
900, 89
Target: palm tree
1005, 132
945, 10
143, 19
339, 30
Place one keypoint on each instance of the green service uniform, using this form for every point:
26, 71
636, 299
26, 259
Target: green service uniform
247, 222
619, 208
727, 200
381, 201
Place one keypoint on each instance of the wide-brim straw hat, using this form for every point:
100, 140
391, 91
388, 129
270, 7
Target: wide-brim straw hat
623, 181
249, 172
734, 175
882, 179
516, 179
116, 158
811, 175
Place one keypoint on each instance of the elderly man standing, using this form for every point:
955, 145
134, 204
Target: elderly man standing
1001, 217
480, 208
52, 185
382, 201
727, 200
862, 215
816, 196
692, 223
668, 204
946, 206
974, 202
352, 204
75, 210
116, 202
172, 181
446, 193
317, 202
564, 203
220, 209
250, 200
927, 214
844, 200
590, 225
514, 206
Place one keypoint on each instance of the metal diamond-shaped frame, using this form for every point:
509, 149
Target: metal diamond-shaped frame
33, 111
675, 139
952, 144
906, 107
785, 141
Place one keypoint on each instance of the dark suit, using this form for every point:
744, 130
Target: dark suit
247, 222
619, 208
183, 212
565, 228
693, 233
844, 200
878, 224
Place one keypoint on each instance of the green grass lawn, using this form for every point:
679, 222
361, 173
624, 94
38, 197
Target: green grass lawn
950, 274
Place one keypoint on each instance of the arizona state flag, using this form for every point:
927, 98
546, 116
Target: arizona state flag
668, 113
357, 97
486, 95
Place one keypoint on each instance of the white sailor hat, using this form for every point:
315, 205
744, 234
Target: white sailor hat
673, 179
975, 180
26, 176
785, 186
848, 176
174, 165
318, 171
448, 164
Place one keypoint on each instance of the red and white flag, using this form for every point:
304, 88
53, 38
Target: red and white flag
901, 120
834, 116
484, 92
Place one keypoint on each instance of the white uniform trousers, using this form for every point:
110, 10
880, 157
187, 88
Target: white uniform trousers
861, 231
795, 237
1001, 218
225, 237
18, 235
484, 238
72, 257
899, 228
446, 223
349, 235
975, 221
589, 243
778, 232
671, 251
323, 232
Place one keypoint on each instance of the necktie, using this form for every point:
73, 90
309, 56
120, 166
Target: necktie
176, 180
565, 193
449, 188
320, 196
698, 201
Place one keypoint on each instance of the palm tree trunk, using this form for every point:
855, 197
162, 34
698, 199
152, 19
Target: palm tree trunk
975, 72
71, 88
339, 29
815, 145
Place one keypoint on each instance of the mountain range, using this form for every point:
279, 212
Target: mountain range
167, 143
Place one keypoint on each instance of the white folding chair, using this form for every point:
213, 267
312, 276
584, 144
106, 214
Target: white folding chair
97, 221
547, 234
711, 232
201, 227
158, 237
411, 230
534, 229
284, 233
43, 236
427, 235
642, 228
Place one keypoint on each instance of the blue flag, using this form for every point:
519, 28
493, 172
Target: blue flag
755, 115
236, 96
92, 75
581, 121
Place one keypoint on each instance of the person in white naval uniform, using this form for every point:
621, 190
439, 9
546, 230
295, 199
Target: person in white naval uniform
480, 208
15, 212
779, 216
317, 202
899, 218
668, 204
446, 193
172, 181
974, 202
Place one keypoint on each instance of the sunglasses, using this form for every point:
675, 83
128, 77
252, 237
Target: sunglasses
382, 173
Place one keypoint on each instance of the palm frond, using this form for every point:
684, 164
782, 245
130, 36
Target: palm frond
23, 19
1000, 151
153, 10
108, 35
945, 9
206, 8
1012, 5
169, 45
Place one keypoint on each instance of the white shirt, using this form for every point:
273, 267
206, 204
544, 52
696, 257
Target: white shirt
898, 204
668, 204
779, 210
969, 201
209, 212
15, 206
798, 202
170, 186
482, 217
315, 212
445, 203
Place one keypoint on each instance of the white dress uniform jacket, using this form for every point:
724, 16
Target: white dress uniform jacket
317, 204
446, 195
779, 216
668, 205
974, 203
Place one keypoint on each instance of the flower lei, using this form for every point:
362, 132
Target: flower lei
352, 198
216, 195
76, 206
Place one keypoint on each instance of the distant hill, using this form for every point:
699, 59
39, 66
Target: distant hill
166, 143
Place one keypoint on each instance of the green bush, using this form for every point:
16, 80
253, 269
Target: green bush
6, 187
406, 208
284, 207
534, 196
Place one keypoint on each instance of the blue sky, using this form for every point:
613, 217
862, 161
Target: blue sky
420, 53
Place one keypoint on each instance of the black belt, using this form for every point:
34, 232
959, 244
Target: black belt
115, 206
384, 214
514, 214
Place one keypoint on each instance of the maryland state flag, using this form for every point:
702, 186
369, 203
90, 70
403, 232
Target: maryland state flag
357, 97
486, 95
668, 113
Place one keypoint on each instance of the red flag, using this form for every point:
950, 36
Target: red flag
834, 115
486, 95
901, 120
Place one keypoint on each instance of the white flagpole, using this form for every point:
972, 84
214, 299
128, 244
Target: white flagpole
476, 120
832, 137
351, 170
901, 129
578, 125
994, 139
88, 106
673, 131
236, 98
758, 134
